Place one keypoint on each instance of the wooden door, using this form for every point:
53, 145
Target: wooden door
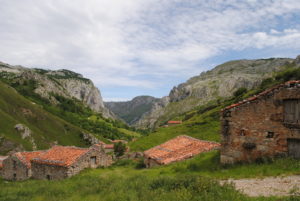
93, 161
294, 148
291, 111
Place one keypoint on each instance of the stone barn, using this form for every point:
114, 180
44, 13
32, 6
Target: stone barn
263, 126
61, 162
174, 123
109, 148
17, 166
177, 149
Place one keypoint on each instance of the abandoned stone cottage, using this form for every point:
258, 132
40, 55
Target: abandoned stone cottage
18, 166
177, 149
56, 163
266, 125
61, 162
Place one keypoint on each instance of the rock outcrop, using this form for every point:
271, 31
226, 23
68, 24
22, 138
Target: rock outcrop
221, 81
61, 82
25, 133
90, 139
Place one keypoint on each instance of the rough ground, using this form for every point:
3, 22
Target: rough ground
270, 186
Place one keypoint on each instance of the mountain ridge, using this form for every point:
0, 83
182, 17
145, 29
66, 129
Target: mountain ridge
220, 82
131, 111
66, 83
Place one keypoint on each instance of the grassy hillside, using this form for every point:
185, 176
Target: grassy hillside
46, 128
203, 126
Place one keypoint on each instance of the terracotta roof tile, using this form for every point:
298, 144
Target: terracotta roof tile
179, 148
60, 155
174, 122
25, 157
122, 141
109, 146
248, 100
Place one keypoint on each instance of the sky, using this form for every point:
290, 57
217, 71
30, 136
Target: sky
145, 47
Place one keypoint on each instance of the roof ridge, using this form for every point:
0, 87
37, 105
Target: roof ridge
265, 92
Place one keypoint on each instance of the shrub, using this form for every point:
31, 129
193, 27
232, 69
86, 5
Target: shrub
241, 91
119, 149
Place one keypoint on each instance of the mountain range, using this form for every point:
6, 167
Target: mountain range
220, 82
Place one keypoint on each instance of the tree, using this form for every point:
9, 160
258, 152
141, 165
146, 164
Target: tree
119, 149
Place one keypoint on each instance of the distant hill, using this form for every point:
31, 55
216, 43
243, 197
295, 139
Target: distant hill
220, 82
49, 84
131, 111
39, 108
43, 129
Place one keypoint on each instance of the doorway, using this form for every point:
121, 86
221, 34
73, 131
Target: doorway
294, 148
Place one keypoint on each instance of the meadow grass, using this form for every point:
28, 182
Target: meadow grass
124, 181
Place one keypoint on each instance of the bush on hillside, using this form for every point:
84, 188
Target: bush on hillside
241, 91
119, 149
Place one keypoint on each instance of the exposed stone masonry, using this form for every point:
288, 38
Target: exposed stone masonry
257, 128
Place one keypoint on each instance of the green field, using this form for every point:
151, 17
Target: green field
194, 179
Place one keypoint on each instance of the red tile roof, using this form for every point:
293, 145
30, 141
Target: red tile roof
60, 155
248, 100
122, 141
1, 160
25, 157
174, 122
109, 146
179, 148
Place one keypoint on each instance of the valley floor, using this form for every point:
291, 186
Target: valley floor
192, 180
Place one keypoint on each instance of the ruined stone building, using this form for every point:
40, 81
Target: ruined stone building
109, 148
263, 126
56, 163
18, 165
177, 149
61, 162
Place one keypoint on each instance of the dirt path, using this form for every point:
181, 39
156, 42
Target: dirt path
270, 186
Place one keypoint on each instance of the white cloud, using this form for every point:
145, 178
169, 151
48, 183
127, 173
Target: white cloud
116, 99
140, 43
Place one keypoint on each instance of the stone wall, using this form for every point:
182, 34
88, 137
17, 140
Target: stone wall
150, 162
50, 171
14, 169
47, 171
256, 129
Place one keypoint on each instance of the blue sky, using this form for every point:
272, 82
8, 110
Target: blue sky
145, 47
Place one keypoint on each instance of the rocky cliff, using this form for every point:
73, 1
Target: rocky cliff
131, 111
221, 81
64, 83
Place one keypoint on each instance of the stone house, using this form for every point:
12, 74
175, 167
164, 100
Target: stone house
56, 163
177, 149
61, 162
17, 166
174, 123
109, 148
266, 125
